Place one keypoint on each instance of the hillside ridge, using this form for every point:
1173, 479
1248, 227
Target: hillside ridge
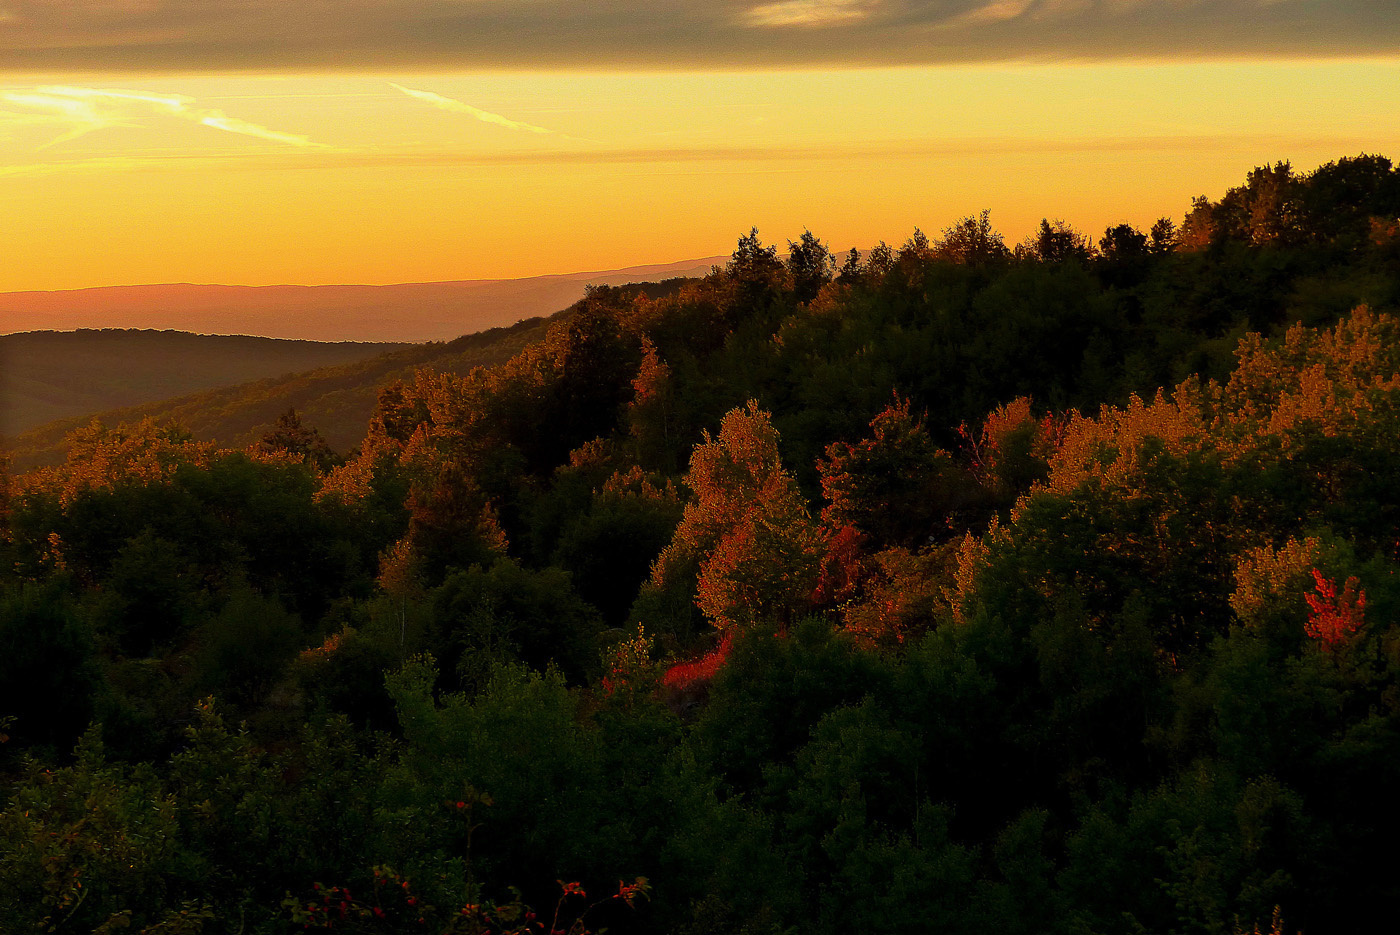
49, 375
336, 397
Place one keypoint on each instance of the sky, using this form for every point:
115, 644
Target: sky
375, 141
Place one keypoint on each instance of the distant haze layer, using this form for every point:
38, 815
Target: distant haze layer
408, 312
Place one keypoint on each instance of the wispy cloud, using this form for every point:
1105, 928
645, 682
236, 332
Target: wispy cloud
220, 121
79, 111
980, 147
995, 12
457, 107
1052, 9
809, 13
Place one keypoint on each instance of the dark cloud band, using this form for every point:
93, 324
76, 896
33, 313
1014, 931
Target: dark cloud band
333, 35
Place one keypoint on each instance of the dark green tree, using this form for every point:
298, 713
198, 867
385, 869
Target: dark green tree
810, 265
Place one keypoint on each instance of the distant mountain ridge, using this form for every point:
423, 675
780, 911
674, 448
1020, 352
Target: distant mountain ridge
401, 313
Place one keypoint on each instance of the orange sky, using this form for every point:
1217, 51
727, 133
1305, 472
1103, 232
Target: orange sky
168, 176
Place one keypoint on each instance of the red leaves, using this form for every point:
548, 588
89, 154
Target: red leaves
842, 566
686, 675
628, 892
1333, 617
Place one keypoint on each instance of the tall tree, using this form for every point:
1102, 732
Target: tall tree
894, 485
973, 242
810, 264
748, 532
293, 439
1123, 242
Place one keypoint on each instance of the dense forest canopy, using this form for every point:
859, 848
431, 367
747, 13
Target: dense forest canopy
959, 586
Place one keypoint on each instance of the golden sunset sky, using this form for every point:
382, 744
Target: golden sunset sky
380, 141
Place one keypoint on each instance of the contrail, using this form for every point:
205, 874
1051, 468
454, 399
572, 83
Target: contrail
89, 109
457, 107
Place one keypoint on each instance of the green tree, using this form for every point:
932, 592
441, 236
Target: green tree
1164, 236
148, 599
48, 671
89, 845
755, 276
485, 615
610, 548
894, 486
810, 265
1057, 242
245, 648
290, 438
973, 242
1123, 242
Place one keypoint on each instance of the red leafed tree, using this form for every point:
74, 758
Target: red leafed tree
1333, 617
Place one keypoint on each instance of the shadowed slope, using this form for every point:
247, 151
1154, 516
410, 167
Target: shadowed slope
48, 375
337, 400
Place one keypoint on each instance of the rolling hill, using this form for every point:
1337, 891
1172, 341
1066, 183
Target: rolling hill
49, 375
337, 400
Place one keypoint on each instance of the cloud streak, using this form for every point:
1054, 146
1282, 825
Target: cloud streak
980, 147
997, 11
457, 107
80, 111
807, 13
363, 35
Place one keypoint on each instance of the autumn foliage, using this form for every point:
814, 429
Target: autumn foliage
1333, 617
961, 589
684, 676
747, 531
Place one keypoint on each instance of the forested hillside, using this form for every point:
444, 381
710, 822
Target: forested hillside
338, 399
954, 587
